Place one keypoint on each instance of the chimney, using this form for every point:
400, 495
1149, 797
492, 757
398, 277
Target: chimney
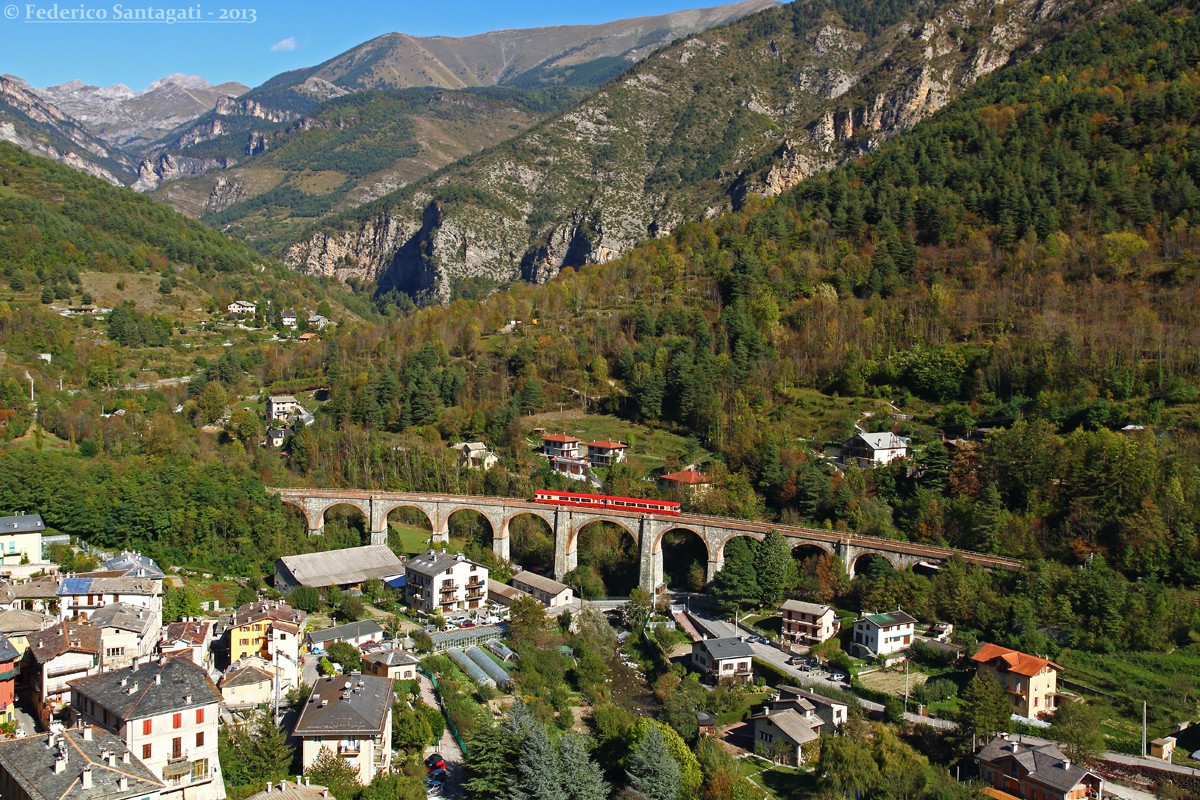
87, 732
60, 764
122, 783
157, 678
85, 778
270, 786
125, 757
1066, 763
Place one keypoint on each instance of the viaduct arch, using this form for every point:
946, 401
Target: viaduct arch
647, 530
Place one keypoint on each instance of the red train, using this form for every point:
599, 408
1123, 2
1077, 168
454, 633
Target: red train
603, 501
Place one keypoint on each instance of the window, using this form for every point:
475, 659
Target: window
199, 768
146, 752
199, 716
177, 747
200, 739
177, 720
147, 727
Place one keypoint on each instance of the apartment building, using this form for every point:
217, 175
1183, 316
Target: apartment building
75, 764
21, 538
126, 632
165, 710
56, 656
437, 581
81, 596
259, 628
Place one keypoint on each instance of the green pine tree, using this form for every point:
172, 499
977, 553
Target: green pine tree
489, 763
335, 774
986, 711
539, 775
651, 769
582, 778
773, 568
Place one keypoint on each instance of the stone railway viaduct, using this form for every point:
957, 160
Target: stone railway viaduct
647, 530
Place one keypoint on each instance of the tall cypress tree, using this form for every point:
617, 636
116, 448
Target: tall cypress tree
773, 568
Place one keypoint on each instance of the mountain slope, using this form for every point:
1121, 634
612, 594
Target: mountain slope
751, 107
128, 119
40, 127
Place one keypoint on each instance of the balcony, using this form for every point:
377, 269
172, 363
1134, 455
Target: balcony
351, 750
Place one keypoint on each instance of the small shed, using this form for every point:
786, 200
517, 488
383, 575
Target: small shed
1163, 748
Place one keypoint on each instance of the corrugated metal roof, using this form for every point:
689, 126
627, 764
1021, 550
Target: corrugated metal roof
338, 567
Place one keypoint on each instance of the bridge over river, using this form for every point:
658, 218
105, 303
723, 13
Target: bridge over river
647, 530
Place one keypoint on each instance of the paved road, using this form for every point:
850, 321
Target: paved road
448, 746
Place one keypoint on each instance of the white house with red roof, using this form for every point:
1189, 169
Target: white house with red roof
605, 453
689, 480
557, 445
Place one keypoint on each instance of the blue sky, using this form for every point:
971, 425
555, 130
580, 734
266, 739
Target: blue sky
283, 35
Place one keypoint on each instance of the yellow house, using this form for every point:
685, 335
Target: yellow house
259, 628
21, 539
1031, 682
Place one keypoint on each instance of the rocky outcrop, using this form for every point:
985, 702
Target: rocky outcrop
153, 172
225, 192
230, 107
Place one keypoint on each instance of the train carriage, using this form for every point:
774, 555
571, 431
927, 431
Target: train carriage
606, 502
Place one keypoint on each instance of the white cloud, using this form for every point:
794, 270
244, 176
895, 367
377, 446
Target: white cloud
284, 45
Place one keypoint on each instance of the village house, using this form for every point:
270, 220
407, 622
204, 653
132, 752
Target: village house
351, 716
502, 594
728, 659
557, 445
871, 449
82, 763
10, 668
576, 469
17, 625
437, 581
82, 596
242, 308
288, 318
262, 627
40, 594
285, 790
832, 713
781, 733
352, 633
195, 637
126, 632
347, 568
132, 564
883, 634
548, 591
56, 656
1031, 682
687, 482
166, 711
276, 436
21, 539
281, 406
252, 681
808, 623
604, 453
305, 338
1036, 772
475, 455
319, 322
395, 665
8, 597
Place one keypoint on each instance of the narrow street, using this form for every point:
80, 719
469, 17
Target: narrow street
448, 746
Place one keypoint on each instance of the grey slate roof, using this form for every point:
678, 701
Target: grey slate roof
31, 764
392, 658
787, 693
1045, 763
345, 705
729, 647
162, 686
794, 725
123, 616
430, 563
135, 565
540, 582
19, 622
247, 675
292, 791
7, 651
65, 637
40, 589
350, 630
803, 607
337, 567
22, 523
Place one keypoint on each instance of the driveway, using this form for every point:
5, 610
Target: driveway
448, 746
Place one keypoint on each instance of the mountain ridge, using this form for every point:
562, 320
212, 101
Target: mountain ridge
749, 108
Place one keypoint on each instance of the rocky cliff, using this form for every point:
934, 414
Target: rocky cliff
750, 108
41, 128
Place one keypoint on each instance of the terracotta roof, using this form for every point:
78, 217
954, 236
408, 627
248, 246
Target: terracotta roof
687, 476
558, 437
607, 445
188, 632
272, 610
1013, 661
